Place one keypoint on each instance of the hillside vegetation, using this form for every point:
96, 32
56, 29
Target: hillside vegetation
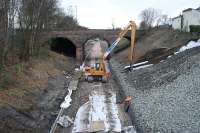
30, 92
157, 38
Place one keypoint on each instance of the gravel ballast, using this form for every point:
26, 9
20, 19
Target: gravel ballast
166, 96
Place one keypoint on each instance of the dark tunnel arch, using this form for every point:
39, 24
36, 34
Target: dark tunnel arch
63, 46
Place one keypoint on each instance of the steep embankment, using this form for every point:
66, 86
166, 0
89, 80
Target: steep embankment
165, 95
155, 39
38, 87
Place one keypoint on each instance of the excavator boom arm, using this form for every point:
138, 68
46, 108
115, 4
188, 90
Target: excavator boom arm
131, 25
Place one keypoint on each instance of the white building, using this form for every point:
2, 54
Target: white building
176, 22
189, 17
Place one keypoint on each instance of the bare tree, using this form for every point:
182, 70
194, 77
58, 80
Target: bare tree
113, 24
8, 12
148, 17
162, 20
143, 25
158, 21
165, 20
63, 21
33, 17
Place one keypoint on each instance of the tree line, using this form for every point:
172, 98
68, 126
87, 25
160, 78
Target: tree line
151, 17
21, 21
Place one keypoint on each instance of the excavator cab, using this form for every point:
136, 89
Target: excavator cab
97, 66
96, 73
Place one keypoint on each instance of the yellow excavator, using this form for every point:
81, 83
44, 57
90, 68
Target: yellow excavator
101, 72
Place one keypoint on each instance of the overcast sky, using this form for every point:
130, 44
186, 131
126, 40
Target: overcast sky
99, 14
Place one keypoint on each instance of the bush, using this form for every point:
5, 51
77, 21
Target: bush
1, 68
44, 52
6, 79
19, 68
195, 28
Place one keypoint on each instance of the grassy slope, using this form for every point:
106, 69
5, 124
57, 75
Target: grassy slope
19, 83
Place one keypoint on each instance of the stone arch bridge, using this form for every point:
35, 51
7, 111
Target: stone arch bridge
79, 37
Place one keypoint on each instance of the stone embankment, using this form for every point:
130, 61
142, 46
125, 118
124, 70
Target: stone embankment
165, 96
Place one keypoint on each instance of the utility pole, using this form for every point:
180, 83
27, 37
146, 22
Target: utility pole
76, 13
72, 11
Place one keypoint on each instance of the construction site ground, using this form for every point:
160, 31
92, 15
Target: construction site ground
84, 93
81, 96
35, 107
165, 96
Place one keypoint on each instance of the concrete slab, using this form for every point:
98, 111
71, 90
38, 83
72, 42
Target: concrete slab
97, 126
81, 121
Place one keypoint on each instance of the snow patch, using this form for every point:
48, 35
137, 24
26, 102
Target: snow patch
67, 101
169, 56
99, 108
140, 66
100, 112
135, 65
144, 66
141, 63
191, 44
97, 111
